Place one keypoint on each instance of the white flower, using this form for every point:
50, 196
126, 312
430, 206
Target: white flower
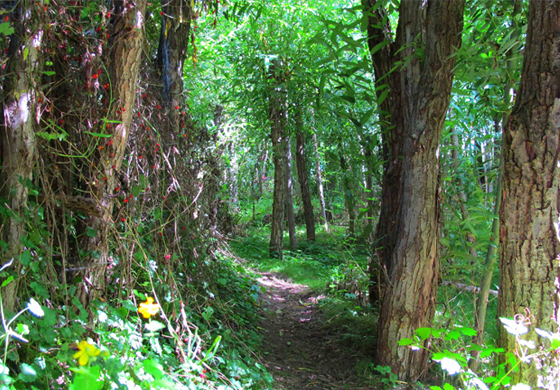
450, 365
35, 309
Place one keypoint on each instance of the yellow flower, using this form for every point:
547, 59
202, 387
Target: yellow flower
85, 352
148, 308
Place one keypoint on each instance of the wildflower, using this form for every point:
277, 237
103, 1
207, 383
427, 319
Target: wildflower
148, 308
85, 352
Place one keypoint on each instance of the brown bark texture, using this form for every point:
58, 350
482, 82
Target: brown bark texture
529, 228
19, 144
303, 176
172, 52
126, 49
277, 116
417, 69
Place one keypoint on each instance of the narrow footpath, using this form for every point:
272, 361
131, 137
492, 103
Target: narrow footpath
301, 352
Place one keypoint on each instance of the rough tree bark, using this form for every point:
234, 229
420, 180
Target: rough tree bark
172, 52
127, 39
417, 68
277, 115
19, 145
530, 228
303, 175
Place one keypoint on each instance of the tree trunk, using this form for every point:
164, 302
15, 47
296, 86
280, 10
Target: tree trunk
348, 195
19, 145
172, 51
277, 115
320, 183
126, 50
289, 197
368, 155
529, 228
303, 175
417, 103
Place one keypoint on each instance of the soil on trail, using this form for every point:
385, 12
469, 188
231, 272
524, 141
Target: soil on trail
301, 351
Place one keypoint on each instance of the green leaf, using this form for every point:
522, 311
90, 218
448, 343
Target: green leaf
468, 331
379, 46
453, 335
153, 368
447, 386
405, 342
49, 73
382, 97
6, 29
91, 232
7, 281
99, 134
87, 379
25, 257
28, 373
25, 53
424, 333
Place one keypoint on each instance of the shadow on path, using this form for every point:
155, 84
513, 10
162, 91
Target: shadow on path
301, 352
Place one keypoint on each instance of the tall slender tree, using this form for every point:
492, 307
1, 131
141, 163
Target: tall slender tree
277, 116
413, 74
530, 228
303, 176
290, 216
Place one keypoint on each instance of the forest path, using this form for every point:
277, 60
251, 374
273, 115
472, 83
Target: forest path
301, 351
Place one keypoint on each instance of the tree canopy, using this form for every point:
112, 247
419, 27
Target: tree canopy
167, 166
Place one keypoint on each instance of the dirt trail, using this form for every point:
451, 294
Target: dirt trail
302, 353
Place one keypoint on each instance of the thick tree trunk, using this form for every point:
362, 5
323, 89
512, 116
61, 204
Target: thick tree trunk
320, 183
303, 175
19, 145
125, 54
289, 197
277, 115
417, 102
529, 228
172, 51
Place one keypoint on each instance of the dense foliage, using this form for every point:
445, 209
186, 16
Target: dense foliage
142, 146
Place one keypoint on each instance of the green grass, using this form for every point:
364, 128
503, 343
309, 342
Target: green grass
311, 263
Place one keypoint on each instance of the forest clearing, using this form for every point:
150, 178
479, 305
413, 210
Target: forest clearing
280, 194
